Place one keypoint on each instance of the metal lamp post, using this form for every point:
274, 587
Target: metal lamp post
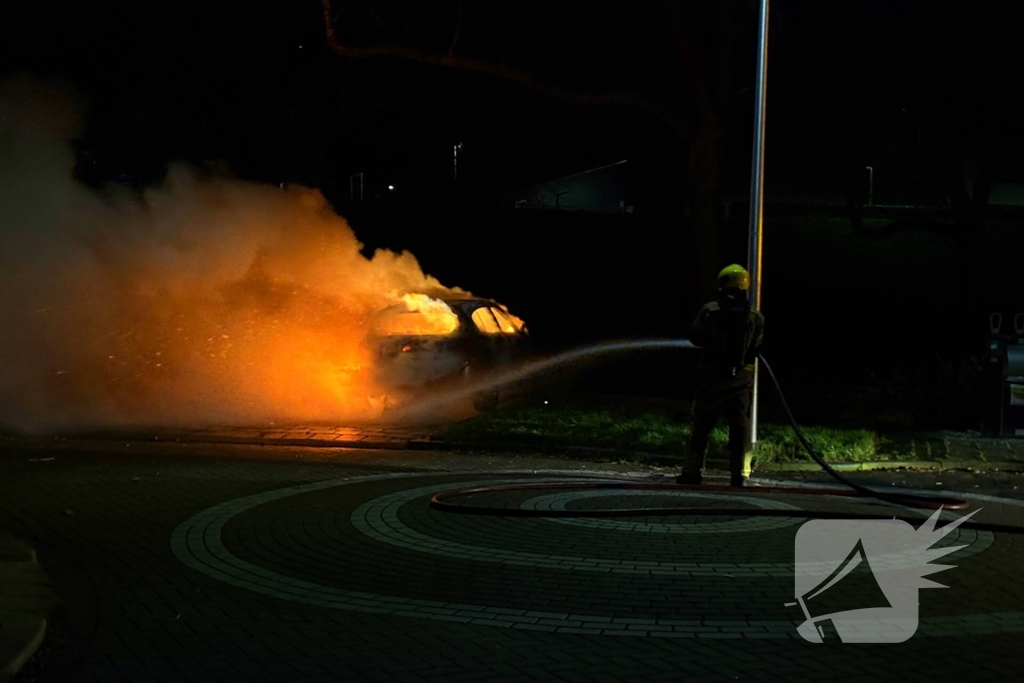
757, 192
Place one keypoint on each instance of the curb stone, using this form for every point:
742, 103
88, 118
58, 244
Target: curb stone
398, 444
21, 636
24, 605
572, 452
584, 453
870, 466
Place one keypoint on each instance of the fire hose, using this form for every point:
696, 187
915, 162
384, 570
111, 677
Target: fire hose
444, 501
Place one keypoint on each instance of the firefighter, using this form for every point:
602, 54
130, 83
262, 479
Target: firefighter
730, 333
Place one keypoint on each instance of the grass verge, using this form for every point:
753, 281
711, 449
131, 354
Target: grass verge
630, 426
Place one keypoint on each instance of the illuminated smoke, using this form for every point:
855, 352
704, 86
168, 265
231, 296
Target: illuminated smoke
209, 301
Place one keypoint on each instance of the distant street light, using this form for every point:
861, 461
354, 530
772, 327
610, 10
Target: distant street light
391, 187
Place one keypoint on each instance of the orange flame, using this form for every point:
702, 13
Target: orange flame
419, 315
207, 302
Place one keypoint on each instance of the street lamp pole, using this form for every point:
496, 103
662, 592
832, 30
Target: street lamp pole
757, 192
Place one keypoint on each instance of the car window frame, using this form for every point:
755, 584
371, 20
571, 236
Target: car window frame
494, 312
487, 310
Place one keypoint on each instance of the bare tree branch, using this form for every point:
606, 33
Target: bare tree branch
328, 21
369, 10
458, 28
635, 99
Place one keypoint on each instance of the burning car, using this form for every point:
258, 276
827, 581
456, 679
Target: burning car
424, 344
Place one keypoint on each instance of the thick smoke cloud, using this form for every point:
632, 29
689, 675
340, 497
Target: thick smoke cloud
209, 301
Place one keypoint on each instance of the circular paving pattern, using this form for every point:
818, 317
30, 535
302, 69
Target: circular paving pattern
723, 577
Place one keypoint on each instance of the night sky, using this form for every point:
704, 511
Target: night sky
254, 85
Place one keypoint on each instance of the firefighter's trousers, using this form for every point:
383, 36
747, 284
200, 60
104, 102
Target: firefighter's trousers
720, 393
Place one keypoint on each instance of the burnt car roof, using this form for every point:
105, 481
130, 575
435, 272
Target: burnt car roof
460, 303
475, 302
454, 303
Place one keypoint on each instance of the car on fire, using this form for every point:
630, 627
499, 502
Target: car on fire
424, 344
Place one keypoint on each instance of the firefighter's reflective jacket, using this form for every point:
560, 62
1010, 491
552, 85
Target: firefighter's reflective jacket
730, 333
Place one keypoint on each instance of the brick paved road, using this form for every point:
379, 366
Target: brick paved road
186, 562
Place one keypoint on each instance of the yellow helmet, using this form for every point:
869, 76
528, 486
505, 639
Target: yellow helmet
734, 277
